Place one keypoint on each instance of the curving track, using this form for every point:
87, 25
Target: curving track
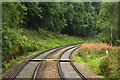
28, 69
48, 68
68, 70
59, 57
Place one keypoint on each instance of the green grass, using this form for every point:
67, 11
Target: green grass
92, 61
99, 63
78, 59
47, 40
94, 65
24, 42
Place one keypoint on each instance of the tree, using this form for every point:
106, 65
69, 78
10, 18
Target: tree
13, 14
53, 16
33, 17
12, 18
74, 16
89, 20
108, 22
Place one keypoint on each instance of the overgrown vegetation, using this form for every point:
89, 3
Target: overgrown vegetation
108, 23
31, 26
21, 41
101, 62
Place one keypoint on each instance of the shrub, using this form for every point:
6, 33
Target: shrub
109, 65
101, 63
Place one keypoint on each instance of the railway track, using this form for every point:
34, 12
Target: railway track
60, 57
67, 70
48, 68
28, 69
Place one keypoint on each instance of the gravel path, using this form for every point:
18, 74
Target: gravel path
68, 70
15, 67
66, 67
27, 71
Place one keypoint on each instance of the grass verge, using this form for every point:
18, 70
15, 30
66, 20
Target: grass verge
19, 43
98, 60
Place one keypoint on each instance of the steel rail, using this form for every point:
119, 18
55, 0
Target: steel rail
74, 67
59, 67
28, 61
39, 65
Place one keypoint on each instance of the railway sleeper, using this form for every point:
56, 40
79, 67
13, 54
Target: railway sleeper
60, 60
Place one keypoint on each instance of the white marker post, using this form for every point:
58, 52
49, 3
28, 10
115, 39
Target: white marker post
106, 52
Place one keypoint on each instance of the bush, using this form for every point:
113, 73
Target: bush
109, 65
101, 63
19, 42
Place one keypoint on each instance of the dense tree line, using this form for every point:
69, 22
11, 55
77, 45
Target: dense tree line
82, 19
76, 19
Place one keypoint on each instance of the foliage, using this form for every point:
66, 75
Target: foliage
21, 41
53, 16
89, 20
38, 26
33, 17
68, 18
102, 63
13, 14
109, 65
81, 19
11, 20
108, 23
14, 44
78, 59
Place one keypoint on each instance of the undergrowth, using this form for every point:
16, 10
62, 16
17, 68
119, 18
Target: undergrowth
18, 42
100, 62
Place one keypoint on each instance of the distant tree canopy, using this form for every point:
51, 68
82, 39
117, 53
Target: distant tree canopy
76, 19
82, 19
